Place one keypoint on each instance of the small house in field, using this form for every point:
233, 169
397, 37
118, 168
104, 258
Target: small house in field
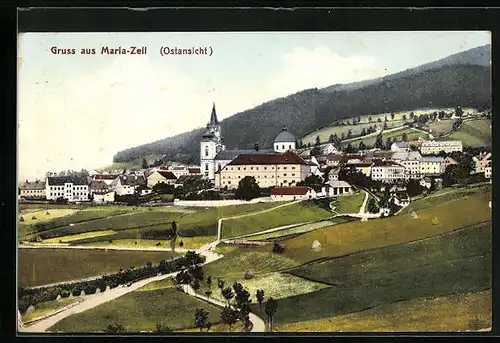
103, 196
292, 193
339, 188
167, 177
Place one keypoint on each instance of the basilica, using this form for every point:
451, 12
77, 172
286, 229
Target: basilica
213, 153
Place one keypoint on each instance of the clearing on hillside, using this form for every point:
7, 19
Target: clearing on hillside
474, 133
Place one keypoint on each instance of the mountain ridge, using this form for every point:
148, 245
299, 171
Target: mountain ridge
460, 79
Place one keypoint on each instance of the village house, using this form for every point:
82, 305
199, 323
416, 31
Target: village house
72, 189
333, 175
98, 186
103, 196
448, 161
435, 147
400, 147
106, 178
186, 179
329, 149
127, 184
387, 171
285, 141
32, 190
334, 160
362, 167
269, 170
487, 170
315, 166
430, 165
481, 161
143, 190
166, 177
292, 193
340, 188
411, 161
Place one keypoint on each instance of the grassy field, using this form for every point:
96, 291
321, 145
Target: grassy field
324, 134
47, 307
412, 134
140, 311
356, 236
442, 196
296, 213
451, 313
189, 242
473, 133
370, 197
44, 215
72, 238
299, 229
352, 270
442, 127
43, 266
349, 203
363, 282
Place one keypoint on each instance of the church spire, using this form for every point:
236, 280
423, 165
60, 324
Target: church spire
213, 117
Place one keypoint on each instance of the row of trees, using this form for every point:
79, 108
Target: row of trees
30, 296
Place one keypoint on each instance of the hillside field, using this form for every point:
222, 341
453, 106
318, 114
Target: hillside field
40, 266
473, 133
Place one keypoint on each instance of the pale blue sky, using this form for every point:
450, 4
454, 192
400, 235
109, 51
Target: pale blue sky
77, 111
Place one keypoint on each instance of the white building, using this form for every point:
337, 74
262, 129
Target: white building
106, 178
340, 188
435, 147
127, 184
430, 165
67, 188
387, 171
292, 193
285, 141
481, 162
411, 161
333, 175
100, 197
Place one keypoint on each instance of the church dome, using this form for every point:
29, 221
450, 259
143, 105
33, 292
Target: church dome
284, 137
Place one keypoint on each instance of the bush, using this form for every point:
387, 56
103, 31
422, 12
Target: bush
114, 328
33, 218
65, 293
76, 291
278, 248
21, 219
475, 324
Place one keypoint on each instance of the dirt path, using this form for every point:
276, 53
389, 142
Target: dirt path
258, 323
94, 300
363, 205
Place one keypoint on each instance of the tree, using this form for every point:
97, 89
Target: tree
311, 181
379, 144
372, 206
385, 125
195, 284
350, 149
278, 248
349, 134
412, 115
363, 132
271, 308
404, 137
342, 136
388, 143
385, 118
404, 117
392, 115
114, 328
362, 146
220, 283
459, 111
370, 119
318, 141
201, 318
242, 297
413, 188
260, 297
379, 120
208, 294
331, 139
247, 189
229, 316
160, 328
209, 282
228, 294
173, 238
144, 163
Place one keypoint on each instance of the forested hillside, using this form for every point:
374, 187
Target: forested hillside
461, 79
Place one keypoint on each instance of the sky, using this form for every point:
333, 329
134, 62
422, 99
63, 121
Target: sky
76, 111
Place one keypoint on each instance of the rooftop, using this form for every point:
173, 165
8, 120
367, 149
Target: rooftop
37, 185
61, 180
229, 155
167, 174
441, 143
436, 159
284, 137
261, 158
340, 183
300, 190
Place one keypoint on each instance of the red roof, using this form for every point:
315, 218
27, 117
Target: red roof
194, 170
285, 158
105, 177
299, 190
167, 175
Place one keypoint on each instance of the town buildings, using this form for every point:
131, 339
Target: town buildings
166, 177
32, 190
292, 193
435, 147
269, 170
411, 161
431, 165
387, 171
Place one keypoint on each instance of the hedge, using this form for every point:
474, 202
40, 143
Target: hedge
33, 296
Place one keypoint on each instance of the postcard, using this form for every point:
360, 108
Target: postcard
254, 182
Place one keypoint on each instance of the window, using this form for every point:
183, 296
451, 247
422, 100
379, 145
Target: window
244, 168
206, 167
284, 168
284, 174
290, 147
239, 168
293, 174
283, 147
229, 182
251, 168
206, 151
293, 168
265, 168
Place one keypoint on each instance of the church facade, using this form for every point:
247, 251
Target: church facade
214, 156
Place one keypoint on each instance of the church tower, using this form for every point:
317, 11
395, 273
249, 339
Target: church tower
211, 144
